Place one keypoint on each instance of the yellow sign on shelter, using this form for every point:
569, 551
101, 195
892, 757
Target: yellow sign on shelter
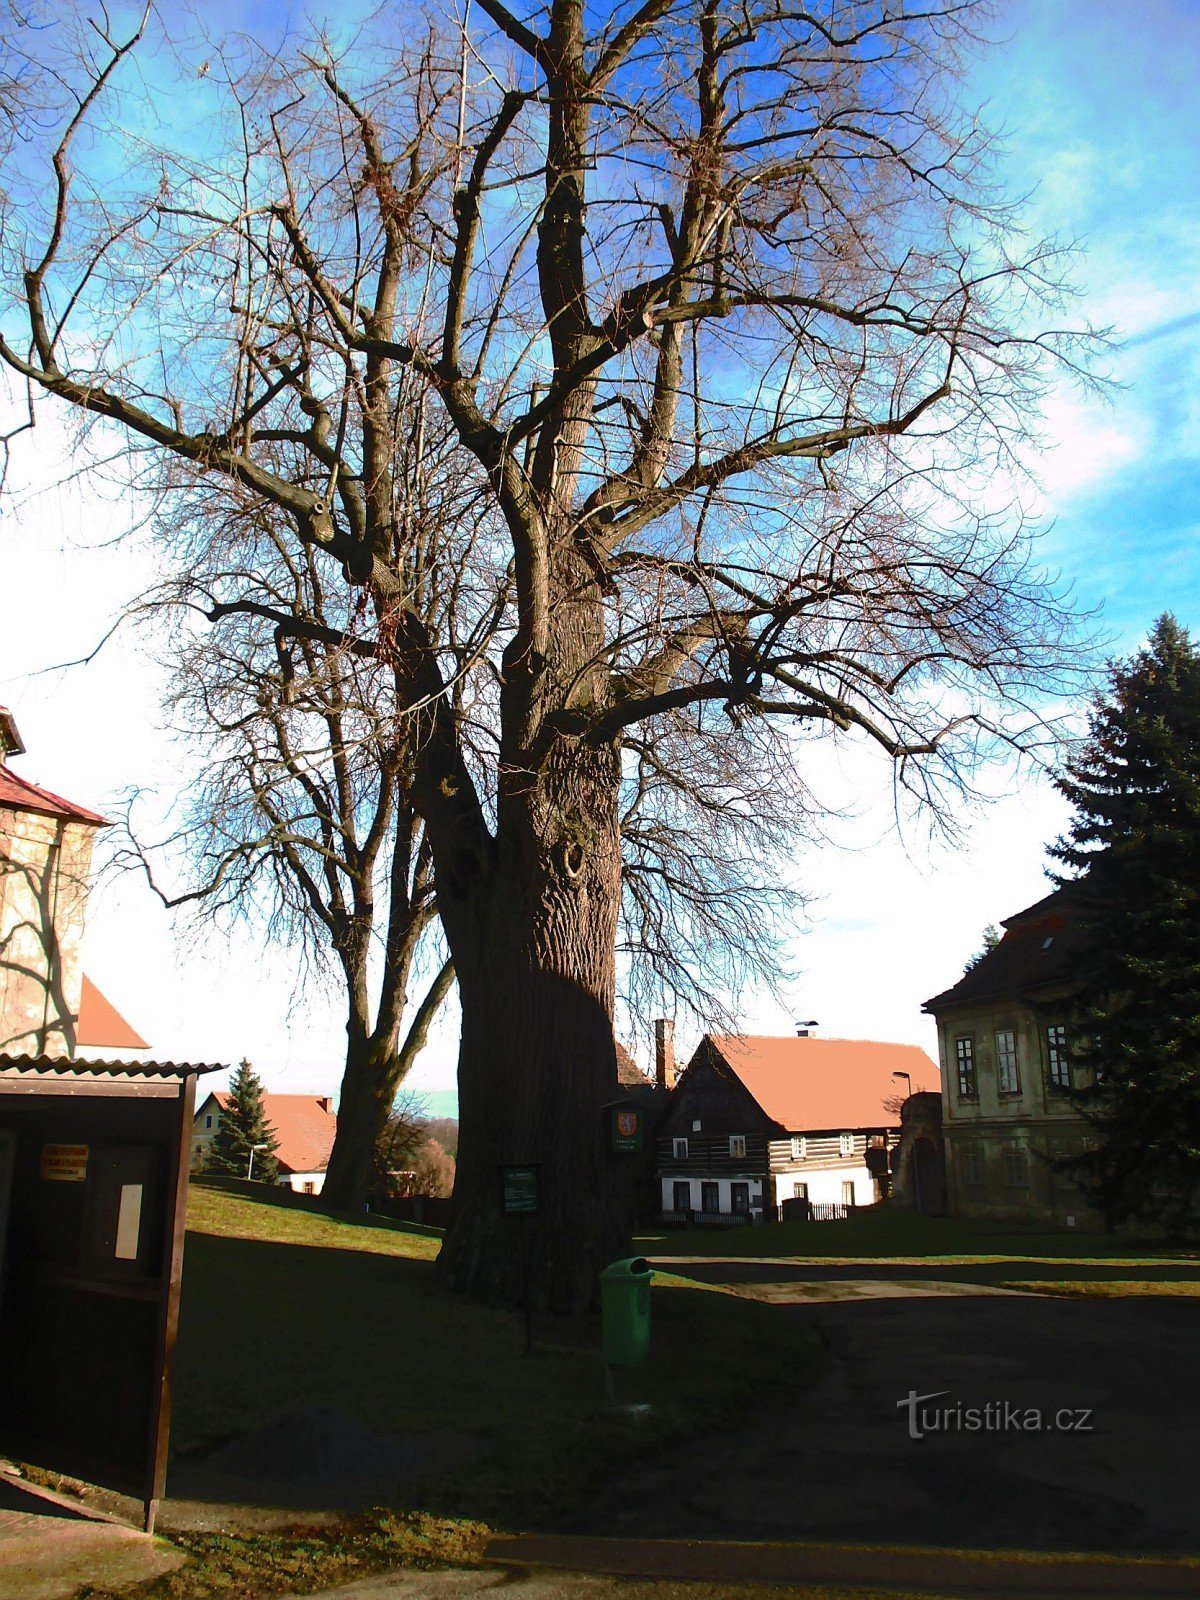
65, 1163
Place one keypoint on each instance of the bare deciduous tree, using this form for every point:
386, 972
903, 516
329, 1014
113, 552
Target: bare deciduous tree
301, 818
719, 305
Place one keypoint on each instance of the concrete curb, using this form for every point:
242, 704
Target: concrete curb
941, 1572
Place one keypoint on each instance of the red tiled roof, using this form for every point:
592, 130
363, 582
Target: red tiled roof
303, 1126
101, 1025
18, 795
808, 1084
629, 1074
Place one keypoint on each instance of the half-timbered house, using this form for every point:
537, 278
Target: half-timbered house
754, 1122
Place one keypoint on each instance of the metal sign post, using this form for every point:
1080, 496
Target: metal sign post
520, 1196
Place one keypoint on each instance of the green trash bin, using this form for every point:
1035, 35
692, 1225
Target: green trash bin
625, 1306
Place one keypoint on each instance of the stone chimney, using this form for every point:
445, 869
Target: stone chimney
664, 1052
11, 743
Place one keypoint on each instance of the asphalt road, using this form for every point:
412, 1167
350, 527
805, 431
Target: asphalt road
837, 1461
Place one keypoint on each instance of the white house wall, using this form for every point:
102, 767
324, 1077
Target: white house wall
825, 1185
299, 1182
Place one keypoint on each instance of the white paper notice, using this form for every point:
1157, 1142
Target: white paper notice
129, 1221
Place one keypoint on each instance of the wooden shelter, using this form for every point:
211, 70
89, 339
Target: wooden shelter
93, 1199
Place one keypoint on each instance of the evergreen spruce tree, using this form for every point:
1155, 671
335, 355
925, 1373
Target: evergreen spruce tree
991, 938
1134, 854
242, 1128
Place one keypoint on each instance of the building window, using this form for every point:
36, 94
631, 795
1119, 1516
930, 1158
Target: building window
799, 1148
799, 1191
1007, 1078
848, 1192
1060, 1062
964, 1058
972, 1167
1016, 1169
739, 1197
208, 1122
681, 1196
737, 1146
696, 1125
846, 1144
710, 1197
679, 1149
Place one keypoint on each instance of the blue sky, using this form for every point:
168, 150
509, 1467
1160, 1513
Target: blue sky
1101, 109
1101, 112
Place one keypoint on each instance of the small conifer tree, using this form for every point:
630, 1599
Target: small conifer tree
244, 1129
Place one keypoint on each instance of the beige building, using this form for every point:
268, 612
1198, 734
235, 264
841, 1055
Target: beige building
47, 1005
1008, 1057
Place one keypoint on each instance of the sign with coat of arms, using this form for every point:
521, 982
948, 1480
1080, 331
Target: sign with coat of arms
627, 1129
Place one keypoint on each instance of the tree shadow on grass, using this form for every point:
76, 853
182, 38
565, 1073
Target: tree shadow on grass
270, 1330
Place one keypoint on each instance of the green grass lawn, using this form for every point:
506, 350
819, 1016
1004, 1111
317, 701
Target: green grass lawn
881, 1237
283, 1305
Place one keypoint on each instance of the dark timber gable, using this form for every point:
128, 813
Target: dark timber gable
711, 1093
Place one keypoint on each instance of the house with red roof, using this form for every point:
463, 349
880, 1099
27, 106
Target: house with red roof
48, 1006
756, 1121
304, 1124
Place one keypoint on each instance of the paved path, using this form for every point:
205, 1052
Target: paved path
831, 1489
837, 1462
49, 1549
646, 1571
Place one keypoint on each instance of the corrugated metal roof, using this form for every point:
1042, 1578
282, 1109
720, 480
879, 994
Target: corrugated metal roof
60, 1067
806, 1084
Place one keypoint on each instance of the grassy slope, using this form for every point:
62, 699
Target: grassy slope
283, 1305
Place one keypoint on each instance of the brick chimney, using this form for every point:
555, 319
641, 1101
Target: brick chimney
664, 1052
325, 1102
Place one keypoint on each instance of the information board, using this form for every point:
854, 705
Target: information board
519, 1190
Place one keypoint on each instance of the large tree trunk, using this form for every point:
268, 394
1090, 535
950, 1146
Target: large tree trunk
367, 1092
534, 951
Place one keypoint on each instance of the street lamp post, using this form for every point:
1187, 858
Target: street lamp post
250, 1166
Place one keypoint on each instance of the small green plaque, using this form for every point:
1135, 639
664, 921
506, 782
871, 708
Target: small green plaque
519, 1191
628, 1130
